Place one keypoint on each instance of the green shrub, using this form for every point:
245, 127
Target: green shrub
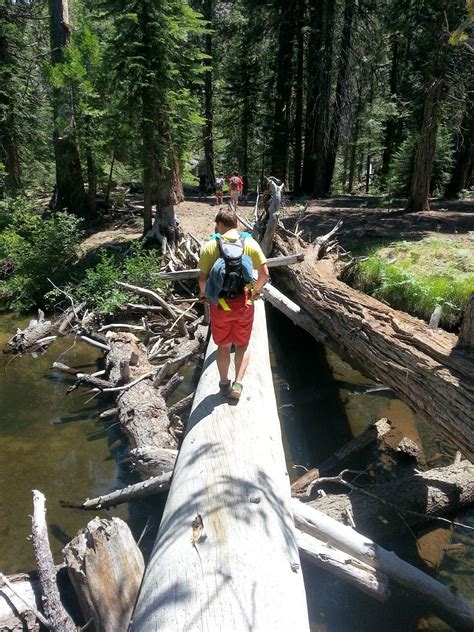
99, 287
34, 248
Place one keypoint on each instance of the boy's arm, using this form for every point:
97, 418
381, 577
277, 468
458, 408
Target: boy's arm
262, 277
202, 285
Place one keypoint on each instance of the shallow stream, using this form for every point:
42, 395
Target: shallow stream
52, 442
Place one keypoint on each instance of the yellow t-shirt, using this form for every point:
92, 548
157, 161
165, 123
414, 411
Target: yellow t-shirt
210, 252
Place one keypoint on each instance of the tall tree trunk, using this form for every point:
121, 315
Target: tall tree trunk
281, 117
464, 156
419, 198
392, 124
341, 93
313, 72
324, 105
91, 176
319, 96
207, 129
148, 158
9, 141
70, 192
298, 124
354, 141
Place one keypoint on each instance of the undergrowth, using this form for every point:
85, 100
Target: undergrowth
37, 251
99, 287
416, 277
33, 249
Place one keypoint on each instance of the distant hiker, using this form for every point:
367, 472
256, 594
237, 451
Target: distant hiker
225, 280
235, 188
245, 188
202, 186
219, 188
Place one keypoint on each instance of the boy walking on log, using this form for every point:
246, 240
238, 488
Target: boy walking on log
226, 276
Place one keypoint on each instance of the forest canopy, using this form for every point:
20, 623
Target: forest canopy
330, 96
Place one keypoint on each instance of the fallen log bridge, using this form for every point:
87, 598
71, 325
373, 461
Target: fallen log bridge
226, 556
422, 366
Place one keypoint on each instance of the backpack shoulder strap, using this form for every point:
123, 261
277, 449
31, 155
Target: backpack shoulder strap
221, 247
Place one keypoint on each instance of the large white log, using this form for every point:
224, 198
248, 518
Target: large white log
447, 604
244, 573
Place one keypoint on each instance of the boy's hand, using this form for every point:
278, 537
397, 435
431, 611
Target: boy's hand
202, 298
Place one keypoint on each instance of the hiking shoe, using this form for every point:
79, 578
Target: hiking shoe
236, 391
224, 387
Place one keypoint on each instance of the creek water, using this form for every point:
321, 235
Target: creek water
53, 442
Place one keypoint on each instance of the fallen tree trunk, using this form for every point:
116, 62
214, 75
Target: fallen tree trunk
241, 570
148, 487
345, 566
106, 568
58, 619
18, 601
180, 275
29, 338
450, 606
421, 366
378, 510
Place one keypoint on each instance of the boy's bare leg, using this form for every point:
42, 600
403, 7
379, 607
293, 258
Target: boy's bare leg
223, 362
242, 356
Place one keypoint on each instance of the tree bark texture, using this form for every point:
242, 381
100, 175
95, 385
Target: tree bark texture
106, 568
422, 367
387, 509
70, 193
344, 566
14, 614
208, 127
282, 94
298, 121
450, 606
142, 410
342, 90
419, 197
317, 132
464, 155
466, 335
9, 102
54, 610
26, 338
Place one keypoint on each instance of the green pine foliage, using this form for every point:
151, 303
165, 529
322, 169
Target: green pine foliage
404, 160
154, 61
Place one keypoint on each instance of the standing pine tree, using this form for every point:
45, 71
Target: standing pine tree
155, 57
70, 192
11, 44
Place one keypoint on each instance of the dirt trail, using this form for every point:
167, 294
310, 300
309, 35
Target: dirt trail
364, 219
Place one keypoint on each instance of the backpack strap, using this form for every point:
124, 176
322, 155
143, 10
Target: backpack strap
219, 243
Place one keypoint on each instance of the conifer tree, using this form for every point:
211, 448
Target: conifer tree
155, 58
10, 46
70, 193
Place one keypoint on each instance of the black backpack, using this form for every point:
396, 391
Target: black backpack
234, 281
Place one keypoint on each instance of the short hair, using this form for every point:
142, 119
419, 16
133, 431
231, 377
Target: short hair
227, 217
236, 173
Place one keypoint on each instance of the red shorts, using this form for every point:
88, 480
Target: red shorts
235, 325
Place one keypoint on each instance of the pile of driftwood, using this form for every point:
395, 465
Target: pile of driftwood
141, 364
